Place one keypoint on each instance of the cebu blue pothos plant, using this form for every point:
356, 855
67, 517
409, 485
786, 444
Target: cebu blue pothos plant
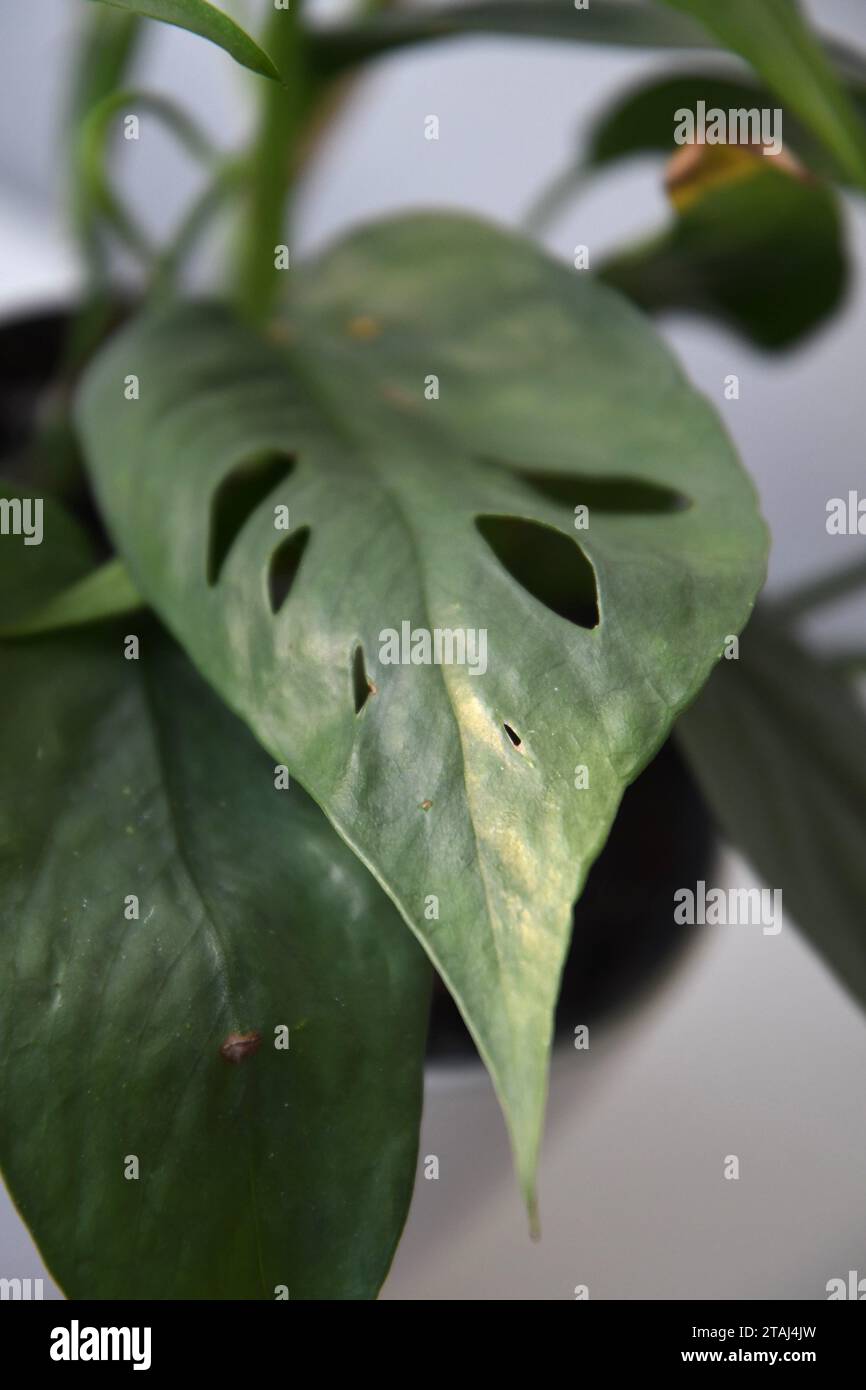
237, 830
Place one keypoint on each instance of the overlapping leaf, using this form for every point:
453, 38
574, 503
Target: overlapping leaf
458, 789
289, 1168
645, 119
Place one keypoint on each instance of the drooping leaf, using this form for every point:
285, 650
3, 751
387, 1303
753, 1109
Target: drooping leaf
164, 910
735, 210
777, 741
103, 593
204, 19
774, 37
457, 789
757, 245
644, 121
629, 23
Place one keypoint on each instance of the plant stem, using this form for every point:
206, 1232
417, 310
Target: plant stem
272, 166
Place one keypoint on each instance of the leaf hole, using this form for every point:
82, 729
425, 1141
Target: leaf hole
235, 500
515, 737
362, 686
550, 566
617, 496
284, 565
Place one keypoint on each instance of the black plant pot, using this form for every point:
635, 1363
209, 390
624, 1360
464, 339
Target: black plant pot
624, 936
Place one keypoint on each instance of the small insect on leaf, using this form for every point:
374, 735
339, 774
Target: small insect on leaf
238, 1046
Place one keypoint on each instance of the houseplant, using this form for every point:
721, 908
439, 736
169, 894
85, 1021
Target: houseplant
449, 403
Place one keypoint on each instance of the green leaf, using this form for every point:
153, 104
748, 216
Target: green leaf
106, 49
96, 197
287, 1167
643, 122
629, 22
554, 394
204, 19
763, 251
632, 23
41, 551
773, 36
777, 741
721, 255
104, 593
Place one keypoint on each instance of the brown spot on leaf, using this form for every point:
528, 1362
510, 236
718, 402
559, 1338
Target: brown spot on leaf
395, 395
425, 805
238, 1046
696, 170
281, 333
363, 328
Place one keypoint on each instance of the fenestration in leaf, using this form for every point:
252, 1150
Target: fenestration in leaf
543, 375
291, 1169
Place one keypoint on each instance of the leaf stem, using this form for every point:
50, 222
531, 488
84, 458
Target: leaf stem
272, 165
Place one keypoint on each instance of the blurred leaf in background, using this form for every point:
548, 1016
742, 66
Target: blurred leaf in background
777, 741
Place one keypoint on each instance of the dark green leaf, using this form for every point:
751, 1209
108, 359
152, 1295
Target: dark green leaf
764, 252
439, 513
208, 22
287, 1167
644, 121
773, 36
777, 741
41, 552
104, 593
629, 22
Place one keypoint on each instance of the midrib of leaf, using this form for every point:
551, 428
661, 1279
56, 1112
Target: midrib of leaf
358, 444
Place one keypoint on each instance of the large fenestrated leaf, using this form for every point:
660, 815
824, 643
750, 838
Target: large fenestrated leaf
209, 22
552, 393
777, 741
289, 1167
